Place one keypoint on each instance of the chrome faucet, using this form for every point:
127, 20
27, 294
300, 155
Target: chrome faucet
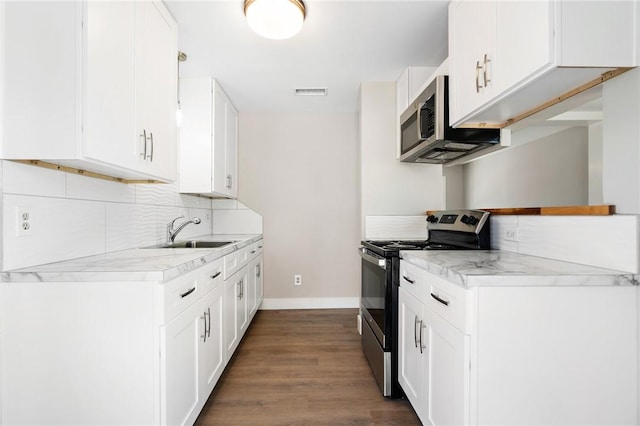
173, 232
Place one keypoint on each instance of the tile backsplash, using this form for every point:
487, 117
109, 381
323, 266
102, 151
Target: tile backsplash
604, 241
73, 216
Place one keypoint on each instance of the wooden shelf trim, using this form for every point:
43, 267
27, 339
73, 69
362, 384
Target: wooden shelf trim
51, 166
598, 210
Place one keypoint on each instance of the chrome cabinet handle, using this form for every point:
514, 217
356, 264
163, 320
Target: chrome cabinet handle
229, 181
216, 275
208, 329
440, 299
421, 327
188, 292
144, 144
410, 281
258, 270
484, 69
151, 156
241, 289
204, 333
415, 331
478, 68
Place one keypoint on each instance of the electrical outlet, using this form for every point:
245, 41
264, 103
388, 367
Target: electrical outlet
511, 234
297, 280
24, 221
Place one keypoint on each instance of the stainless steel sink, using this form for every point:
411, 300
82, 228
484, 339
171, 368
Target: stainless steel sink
195, 244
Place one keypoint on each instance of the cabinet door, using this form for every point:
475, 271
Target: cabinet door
219, 162
243, 302
254, 285
180, 390
447, 382
231, 142
156, 89
109, 127
212, 353
472, 47
525, 43
411, 356
231, 304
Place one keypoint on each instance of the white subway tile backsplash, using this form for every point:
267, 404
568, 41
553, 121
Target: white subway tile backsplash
223, 203
129, 226
605, 241
236, 222
395, 227
156, 194
60, 229
74, 216
25, 179
99, 190
499, 226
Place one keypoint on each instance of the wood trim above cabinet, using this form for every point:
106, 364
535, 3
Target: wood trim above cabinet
599, 210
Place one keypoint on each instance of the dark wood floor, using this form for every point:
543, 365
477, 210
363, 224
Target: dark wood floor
302, 367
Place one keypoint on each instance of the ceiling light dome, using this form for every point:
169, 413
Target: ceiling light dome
275, 19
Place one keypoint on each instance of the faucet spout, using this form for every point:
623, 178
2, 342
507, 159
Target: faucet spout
172, 232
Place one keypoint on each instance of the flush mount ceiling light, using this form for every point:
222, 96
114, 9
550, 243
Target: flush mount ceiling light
275, 19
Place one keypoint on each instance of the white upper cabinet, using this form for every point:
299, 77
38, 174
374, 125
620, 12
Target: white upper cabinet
208, 139
507, 57
91, 85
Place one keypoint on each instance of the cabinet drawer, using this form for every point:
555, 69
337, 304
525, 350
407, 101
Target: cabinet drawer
211, 276
181, 293
448, 300
412, 279
254, 250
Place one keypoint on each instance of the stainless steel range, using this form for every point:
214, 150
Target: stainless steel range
448, 230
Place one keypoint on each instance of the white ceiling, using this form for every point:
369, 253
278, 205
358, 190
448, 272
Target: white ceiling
342, 43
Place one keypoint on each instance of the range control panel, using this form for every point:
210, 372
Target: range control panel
457, 220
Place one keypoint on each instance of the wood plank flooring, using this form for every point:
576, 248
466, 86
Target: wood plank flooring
302, 367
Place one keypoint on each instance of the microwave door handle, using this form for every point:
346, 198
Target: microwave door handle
418, 122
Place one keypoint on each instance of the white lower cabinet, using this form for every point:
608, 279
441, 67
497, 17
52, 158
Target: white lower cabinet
120, 353
193, 359
432, 372
235, 309
180, 387
518, 354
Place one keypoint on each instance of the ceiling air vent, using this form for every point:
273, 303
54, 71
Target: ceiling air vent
312, 91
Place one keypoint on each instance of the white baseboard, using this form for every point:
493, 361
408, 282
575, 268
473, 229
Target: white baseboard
311, 303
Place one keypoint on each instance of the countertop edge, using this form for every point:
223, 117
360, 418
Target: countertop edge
476, 268
137, 264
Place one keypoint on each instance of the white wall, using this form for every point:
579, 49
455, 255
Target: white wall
552, 171
390, 187
300, 172
74, 216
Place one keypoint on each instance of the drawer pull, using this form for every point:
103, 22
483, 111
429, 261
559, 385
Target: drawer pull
439, 299
253, 251
216, 275
186, 293
410, 281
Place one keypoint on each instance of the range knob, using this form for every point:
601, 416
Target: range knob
469, 220
432, 219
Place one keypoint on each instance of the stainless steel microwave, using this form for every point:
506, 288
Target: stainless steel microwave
425, 134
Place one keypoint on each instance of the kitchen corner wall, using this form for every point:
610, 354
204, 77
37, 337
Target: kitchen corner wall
73, 216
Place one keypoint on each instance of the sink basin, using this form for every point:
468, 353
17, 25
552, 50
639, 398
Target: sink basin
194, 244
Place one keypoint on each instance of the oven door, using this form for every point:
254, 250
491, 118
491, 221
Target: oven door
375, 295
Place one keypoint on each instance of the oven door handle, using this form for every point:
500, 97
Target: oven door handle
379, 261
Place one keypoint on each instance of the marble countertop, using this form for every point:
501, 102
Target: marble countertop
469, 268
141, 264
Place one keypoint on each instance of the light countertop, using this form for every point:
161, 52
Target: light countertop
141, 264
469, 268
